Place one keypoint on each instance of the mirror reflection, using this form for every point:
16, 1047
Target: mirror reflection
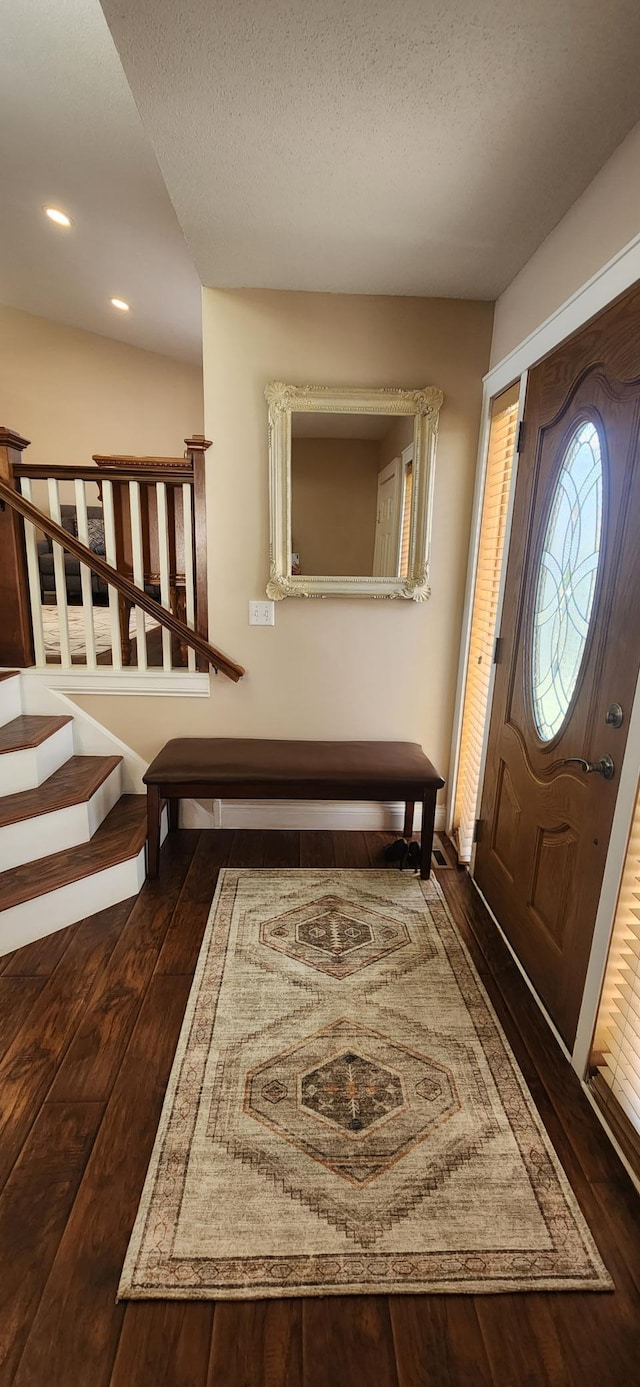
351, 486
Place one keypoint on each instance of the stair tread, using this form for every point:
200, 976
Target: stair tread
74, 783
8, 674
120, 837
29, 731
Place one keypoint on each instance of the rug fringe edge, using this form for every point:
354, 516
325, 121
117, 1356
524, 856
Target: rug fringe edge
603, 1285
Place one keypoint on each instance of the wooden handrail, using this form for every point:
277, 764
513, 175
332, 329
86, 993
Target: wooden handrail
42, 472
143, 464
110, 575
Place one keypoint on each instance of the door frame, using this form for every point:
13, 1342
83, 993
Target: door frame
395, 469
613, 279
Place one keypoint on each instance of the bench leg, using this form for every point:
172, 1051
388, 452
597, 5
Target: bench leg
409, 810
173, 811
426, 837
153, 830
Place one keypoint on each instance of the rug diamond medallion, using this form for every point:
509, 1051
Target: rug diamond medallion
314, 1096
334, 935
344, 1113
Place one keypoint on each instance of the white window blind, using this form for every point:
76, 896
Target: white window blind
406, 520
502, 440
616, 1050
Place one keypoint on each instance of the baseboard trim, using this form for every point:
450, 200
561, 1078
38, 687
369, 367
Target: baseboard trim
633, 1176
525, 976
301, 814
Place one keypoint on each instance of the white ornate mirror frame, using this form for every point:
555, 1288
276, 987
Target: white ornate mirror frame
283, 400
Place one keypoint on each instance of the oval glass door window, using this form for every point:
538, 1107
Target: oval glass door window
566, 581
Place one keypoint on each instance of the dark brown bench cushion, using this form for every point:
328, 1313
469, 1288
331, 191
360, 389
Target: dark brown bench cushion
232, 760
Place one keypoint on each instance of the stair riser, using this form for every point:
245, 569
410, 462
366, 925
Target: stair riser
60, 830
24, 770
10, 701
45, 914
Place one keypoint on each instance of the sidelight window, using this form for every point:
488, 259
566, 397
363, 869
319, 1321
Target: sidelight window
493, 525
615, 1059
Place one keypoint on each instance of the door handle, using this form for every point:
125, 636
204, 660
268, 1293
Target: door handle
604, 767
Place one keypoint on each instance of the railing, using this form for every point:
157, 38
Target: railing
115, 579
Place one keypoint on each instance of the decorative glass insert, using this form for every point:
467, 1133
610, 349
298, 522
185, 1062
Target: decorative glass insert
567, 580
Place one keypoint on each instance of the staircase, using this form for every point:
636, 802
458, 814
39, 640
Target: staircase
71, 843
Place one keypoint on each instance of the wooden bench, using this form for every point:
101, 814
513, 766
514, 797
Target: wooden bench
248, 768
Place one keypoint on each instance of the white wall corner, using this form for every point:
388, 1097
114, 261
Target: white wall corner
200, 813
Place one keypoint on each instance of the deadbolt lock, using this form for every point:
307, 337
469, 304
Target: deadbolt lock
615, 715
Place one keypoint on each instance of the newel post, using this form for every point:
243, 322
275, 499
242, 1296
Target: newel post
16, 636
196, 448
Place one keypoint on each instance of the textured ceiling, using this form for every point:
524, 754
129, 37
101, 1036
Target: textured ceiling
71, 136
421, 146
383, 146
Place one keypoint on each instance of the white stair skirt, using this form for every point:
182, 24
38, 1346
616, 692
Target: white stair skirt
10, 706
69, 827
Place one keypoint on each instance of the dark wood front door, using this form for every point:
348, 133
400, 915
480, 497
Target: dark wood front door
569, 652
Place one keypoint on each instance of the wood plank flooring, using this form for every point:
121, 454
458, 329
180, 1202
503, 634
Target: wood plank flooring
89, 1021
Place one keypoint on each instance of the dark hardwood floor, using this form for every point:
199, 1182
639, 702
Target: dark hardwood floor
89, 1020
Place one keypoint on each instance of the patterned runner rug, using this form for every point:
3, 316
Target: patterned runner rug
344, 1113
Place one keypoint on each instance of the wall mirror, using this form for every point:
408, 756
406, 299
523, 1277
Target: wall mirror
351, 485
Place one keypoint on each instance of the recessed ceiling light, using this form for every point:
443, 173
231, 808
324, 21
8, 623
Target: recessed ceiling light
120, 303
55, 215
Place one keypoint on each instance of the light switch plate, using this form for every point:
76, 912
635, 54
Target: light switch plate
262, 613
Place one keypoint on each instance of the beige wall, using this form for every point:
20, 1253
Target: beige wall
73, 393
334, 490
599, 224
396, 439
336, 667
